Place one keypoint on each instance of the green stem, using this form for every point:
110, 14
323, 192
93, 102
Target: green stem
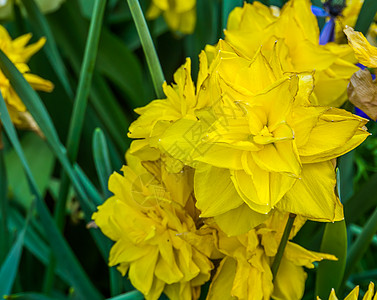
3, 205
283, 243
77, 120
366, 16
360, 246
148, 47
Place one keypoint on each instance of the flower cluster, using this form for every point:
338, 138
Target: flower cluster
250, 143
19, 53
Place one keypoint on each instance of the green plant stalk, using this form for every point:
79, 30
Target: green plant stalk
360, 246
77, 120
283, 243
79, 279
4, 235
148, 47
366, 16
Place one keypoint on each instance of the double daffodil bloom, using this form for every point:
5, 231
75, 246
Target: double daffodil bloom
151, 219
262, 144
245, 272
19, 53
296, 28
354, 294
180, 15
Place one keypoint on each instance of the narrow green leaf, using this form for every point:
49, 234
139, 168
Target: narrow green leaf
41, 27
360, 245
330, 273
366, 16
35, 106
34, 242
103, 167
101, 160
115, 60
8, 270
90, 189
4, 235
357, 230
85, 79
148, 47
79, 280
134, 295
28, 296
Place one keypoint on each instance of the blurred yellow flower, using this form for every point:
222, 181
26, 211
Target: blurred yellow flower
254, 26
151, 219
245, 272
180, 15
46, 6
354, 294
19, 53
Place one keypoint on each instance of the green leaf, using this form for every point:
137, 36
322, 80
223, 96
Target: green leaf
148, 47
330, 273
41, 27
360, 245
101, 160
366, 16
134, 295
8, 270
41, 165
85, 80
28, 296
90, 189
4, 235
34, 242
63, 253
115, 60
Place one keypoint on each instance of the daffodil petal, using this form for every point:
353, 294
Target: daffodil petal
214, 191
313, 196
365, 52
239, 220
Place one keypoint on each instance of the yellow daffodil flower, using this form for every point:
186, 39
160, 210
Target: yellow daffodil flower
354, 294
181, 103
262, 144
245, 272
180, 15
254, 26
152, 220
19, 53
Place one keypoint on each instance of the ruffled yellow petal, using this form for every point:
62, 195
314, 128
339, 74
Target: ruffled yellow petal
313, 194
289, 282
239, 220
222, 282
365, 53
214, 191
